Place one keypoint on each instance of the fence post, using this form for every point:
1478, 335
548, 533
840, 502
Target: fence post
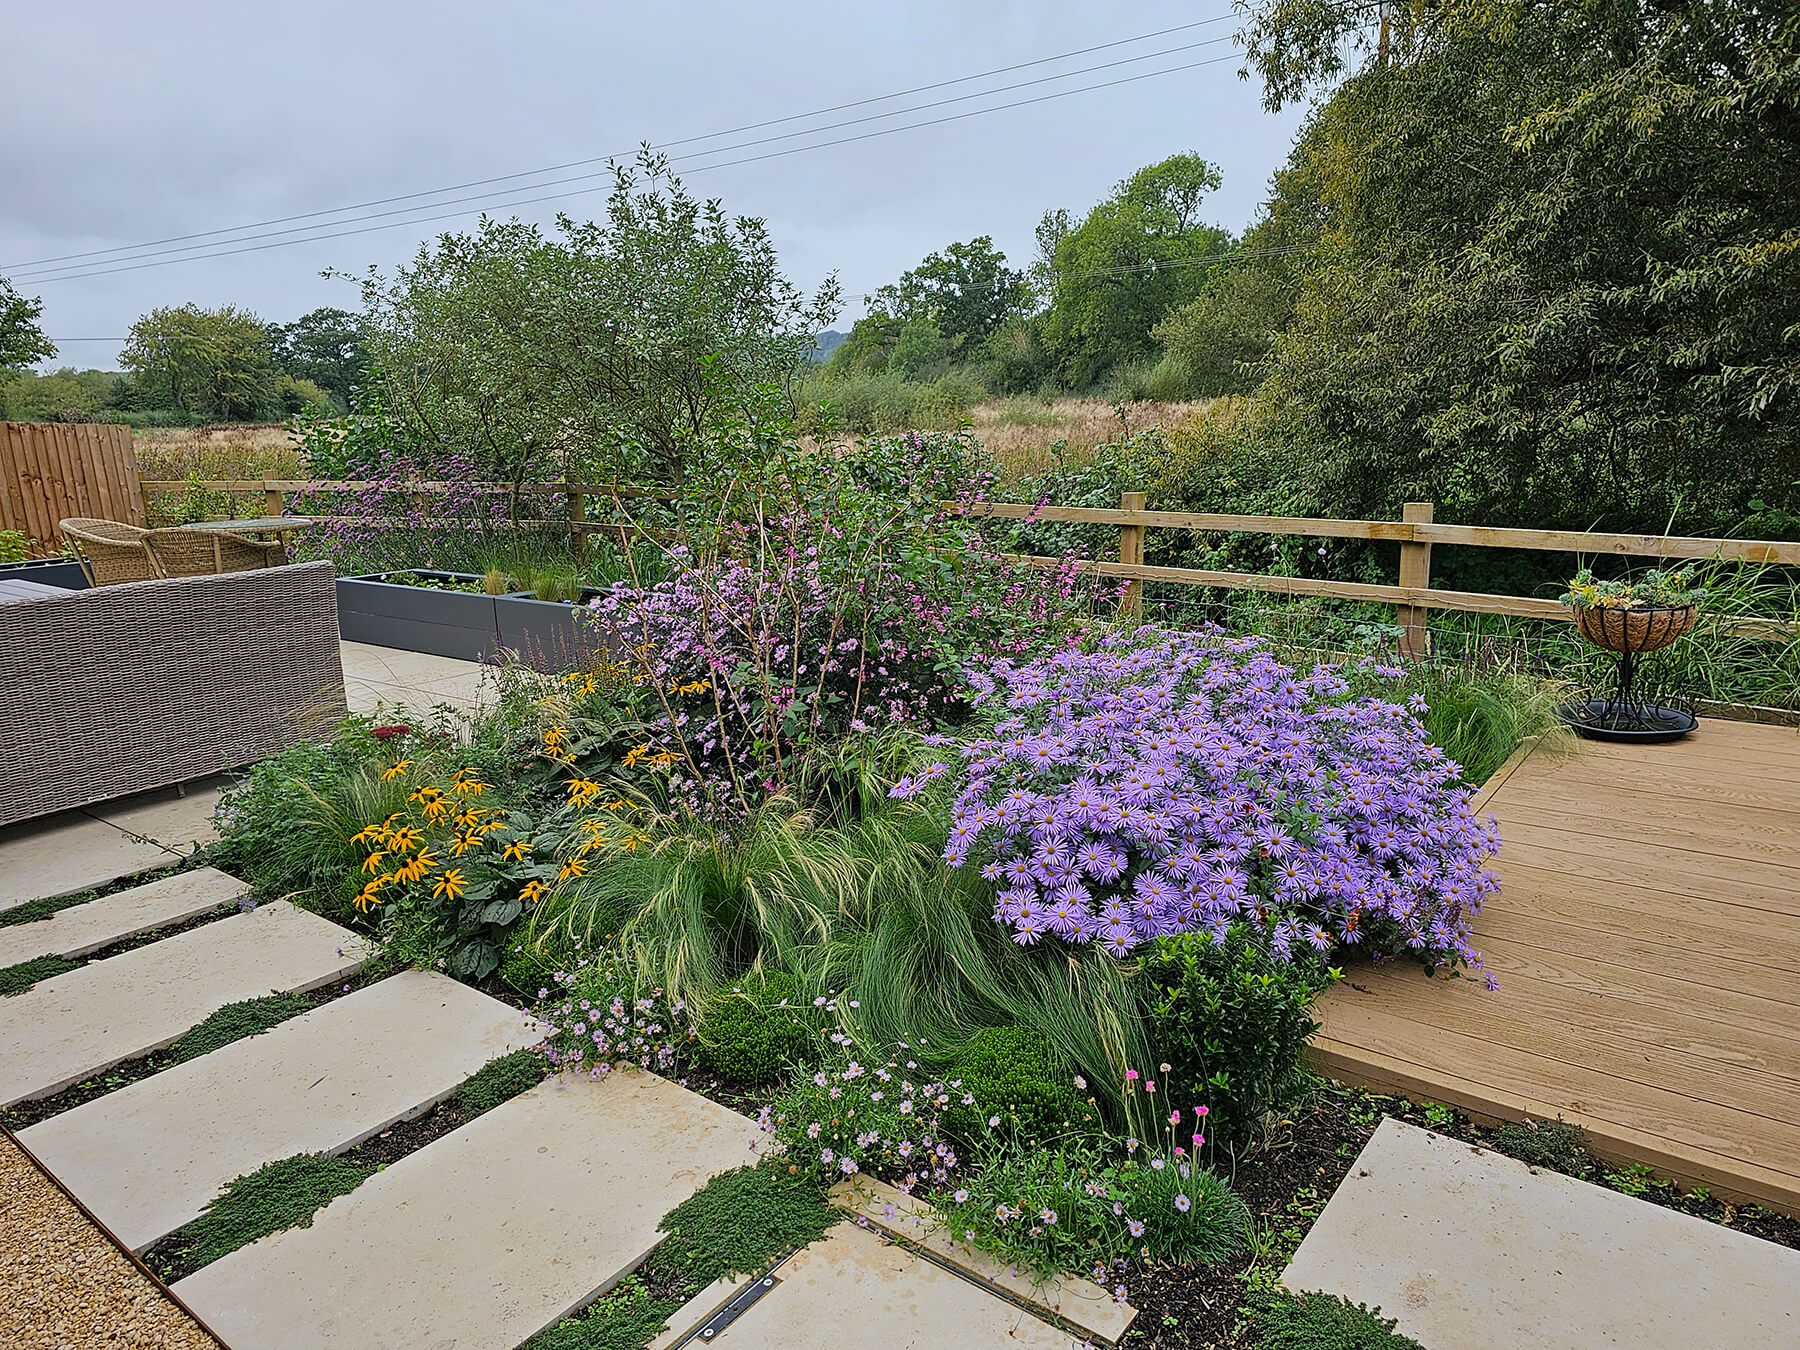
272, 505
578, 540
1415, 572
1131, 553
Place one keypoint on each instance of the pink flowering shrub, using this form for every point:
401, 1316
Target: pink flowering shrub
1169, 782
763, 646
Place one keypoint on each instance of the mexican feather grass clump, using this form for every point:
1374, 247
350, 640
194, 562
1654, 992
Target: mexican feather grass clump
859, 904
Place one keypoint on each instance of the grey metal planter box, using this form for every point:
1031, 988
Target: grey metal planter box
64, 572
548, 635
418, 618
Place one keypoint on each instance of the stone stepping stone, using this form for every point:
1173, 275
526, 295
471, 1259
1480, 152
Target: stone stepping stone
67, 1029
148, 1158
487, 1235
851, 1291
1469, 1248
70, 852
99, 923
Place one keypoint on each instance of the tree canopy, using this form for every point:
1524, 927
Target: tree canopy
22, 342
608, 348
325, 347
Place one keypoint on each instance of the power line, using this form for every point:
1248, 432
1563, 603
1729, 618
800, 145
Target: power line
54, 274
579, 163
703, 168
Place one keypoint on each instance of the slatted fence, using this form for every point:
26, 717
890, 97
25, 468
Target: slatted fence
50, 471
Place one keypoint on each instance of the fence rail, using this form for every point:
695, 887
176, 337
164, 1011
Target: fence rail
1415, 533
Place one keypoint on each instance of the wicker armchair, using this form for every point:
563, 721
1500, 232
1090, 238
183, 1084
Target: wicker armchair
204, 553
118, 689
111, 551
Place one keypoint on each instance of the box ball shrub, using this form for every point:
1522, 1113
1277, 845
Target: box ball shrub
1014, 1074
1231, 1019
761, 1026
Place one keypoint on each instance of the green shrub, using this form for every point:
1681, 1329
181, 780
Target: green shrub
282, 1194
1552, 1144
500, 1080
1231, 1020
234, 1022
761, 1027
1326, 1322
1012, 1073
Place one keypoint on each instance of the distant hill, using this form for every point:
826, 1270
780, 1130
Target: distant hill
827, 343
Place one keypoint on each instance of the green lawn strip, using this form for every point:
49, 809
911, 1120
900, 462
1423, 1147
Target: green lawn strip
1325, 1322
282, 1194
18, 978
739, 1223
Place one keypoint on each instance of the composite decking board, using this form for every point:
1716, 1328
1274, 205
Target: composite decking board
1598, 905
1643, 943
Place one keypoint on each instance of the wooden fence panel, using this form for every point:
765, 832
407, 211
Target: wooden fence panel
50, 471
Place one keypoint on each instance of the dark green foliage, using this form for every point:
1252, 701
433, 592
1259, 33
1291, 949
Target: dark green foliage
1326, 1322
282, 1194
33, 910
1552, 1144
500, 1080
22, 340
234, 1022
629, 1318
525, 971
1231, 1020
740, 1222
1013, 1073
17, 979
760, 1027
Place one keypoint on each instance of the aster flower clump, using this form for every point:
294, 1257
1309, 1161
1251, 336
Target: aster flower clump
1167, 782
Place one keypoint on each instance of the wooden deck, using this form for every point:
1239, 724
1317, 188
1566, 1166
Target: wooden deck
1647, 944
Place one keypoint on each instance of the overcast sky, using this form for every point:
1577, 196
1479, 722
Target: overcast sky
127, 123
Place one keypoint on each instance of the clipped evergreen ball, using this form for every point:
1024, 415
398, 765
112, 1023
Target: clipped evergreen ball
759, 1028
1013, 1073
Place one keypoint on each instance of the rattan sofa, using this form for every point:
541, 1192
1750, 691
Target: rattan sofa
113, 690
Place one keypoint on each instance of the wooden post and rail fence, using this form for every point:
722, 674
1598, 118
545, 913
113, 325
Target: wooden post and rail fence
49, 471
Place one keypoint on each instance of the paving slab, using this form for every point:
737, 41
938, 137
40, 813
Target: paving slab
486, 1235
64, 1030
69, 852
1080, 1303
1473, 1250
180, 821
81, 929
852, 1291
150, 1157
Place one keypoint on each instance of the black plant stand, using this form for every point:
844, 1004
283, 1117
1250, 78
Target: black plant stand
1643, 703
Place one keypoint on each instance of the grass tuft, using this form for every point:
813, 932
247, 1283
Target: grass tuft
234, 1022
500, 1080
282, 1194
18, 978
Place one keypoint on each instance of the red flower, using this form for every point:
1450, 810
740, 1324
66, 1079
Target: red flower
388, 733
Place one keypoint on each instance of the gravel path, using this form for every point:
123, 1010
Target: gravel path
63, 1286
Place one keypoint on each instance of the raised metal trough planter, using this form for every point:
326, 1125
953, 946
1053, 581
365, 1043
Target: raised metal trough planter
546, 635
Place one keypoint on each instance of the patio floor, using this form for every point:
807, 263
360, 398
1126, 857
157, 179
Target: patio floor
1644, 941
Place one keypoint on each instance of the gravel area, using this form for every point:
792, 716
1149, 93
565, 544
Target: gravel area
63, 1286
